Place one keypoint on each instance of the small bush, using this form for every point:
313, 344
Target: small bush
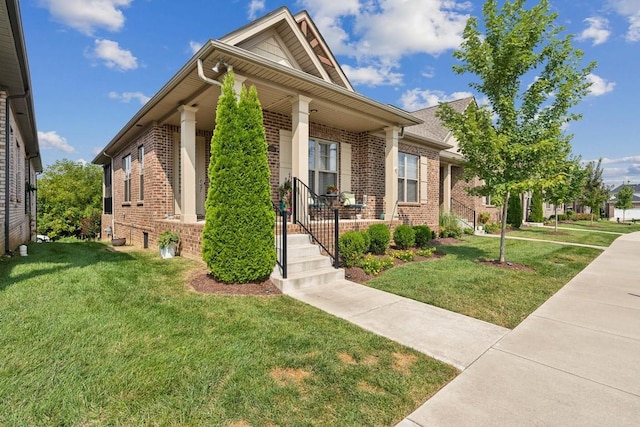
406, 256
380, 237
423, 235
569, 215
483, 218
404, 237
367, 240
449, 226
426, 252
584, 216
561, 217
467, 231
352, 246
492, 227
374, 265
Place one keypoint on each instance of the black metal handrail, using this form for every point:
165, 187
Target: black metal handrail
281, 240
318, 216
463, 211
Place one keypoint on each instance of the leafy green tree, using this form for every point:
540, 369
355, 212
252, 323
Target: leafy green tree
238, 241
569, 188
595, 191
70, 200
525, 146
536, 214
624, 199
514, 211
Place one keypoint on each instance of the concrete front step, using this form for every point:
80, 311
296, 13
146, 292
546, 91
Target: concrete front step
306, 266
306, 279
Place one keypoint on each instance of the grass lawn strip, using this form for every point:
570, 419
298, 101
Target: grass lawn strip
604, 225
92, 337
457, 282
571, 236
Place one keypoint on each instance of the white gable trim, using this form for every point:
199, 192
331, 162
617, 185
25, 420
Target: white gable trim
266, 36
269, 21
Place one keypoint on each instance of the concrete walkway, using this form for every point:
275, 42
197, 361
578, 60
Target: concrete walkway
575, 361
450, 337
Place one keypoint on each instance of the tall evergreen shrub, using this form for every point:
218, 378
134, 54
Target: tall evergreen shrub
536, 214
238, 243
514, 211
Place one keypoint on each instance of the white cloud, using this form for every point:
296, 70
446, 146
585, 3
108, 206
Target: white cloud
597, 30
388, 30
52, 141
429, 72
629, 159
372, 75
194, 46
87, 15
255, 7
417, 99
599, 86
630, 9
114, 56
126, 97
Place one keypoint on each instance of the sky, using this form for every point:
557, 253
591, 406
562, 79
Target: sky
94, 63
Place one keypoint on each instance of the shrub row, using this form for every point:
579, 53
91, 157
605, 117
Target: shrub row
353, 245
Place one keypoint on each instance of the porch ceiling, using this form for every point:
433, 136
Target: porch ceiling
277, 84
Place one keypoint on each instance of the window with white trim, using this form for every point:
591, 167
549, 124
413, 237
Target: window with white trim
126, 165
141, 172
407, 178
323, 165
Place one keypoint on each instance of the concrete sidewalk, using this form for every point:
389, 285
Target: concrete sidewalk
450, 337
574, 361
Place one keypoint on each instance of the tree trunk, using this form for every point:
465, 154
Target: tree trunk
555, 211
503, 232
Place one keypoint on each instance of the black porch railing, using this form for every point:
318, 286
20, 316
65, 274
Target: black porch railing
318, 216
463, 212
281, 239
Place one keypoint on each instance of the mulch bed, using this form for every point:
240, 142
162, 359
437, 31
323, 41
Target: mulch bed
207, 284
505, 265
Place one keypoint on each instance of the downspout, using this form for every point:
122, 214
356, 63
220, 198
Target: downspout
7, 246
113, 205
32, 194
207, 79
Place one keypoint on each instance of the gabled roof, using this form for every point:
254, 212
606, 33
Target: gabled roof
291, 41
636, 192
15, 78
432, 127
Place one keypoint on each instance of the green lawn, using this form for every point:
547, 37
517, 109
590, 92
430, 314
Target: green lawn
94, 337
583, 237
458, 283
603, 225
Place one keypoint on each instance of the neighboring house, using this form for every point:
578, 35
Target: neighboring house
629, 214
318, 129
19, 152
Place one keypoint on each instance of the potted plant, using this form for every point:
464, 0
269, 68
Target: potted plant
168, 243
332, 189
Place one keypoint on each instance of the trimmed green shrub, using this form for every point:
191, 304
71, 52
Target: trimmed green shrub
514, 211
404, 236
536, 214
380, 237
492, 227
571, 215
238, 242
367, 240
467, 231
423, 235
352, 246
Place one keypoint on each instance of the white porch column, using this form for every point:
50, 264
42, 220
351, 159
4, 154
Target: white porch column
300, 137
237, 86
446, 189
391, 172
188, 163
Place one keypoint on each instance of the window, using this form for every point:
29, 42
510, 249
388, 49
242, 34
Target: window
141, 172
323, 165
126, 165
407, 178
487, 200
108, 198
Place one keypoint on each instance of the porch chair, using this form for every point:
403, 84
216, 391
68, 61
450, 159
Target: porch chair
349, 202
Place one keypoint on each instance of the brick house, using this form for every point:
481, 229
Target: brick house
19, 151
318, 128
